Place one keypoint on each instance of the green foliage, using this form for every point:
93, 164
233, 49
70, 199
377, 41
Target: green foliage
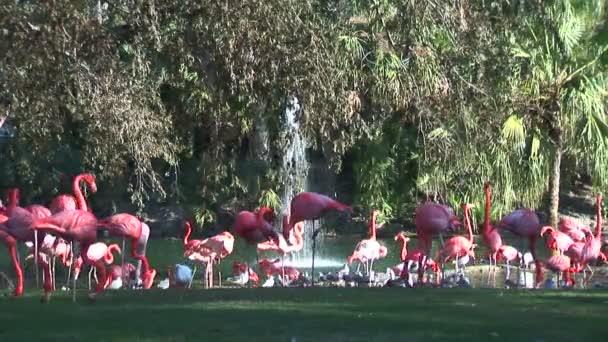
165, 100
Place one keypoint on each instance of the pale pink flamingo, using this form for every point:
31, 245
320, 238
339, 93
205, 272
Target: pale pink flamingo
525, 224
208, 250
130, 227
214, 248
368, 250
490, 235
96, 252
557, 240
507, 254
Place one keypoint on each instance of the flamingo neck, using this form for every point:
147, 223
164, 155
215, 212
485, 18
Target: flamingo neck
486, 216
373, 228
188, 232
403, 249
80, 201
109, 257
467, 221
598, 221
13, 199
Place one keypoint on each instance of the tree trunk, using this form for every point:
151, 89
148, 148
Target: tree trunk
554, 186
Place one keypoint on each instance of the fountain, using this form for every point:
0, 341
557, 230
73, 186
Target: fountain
295, 169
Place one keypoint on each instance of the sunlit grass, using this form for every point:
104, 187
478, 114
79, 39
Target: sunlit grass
308, 314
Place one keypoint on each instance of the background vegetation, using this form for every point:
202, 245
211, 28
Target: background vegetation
179, 104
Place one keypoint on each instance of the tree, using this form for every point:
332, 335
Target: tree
559, 86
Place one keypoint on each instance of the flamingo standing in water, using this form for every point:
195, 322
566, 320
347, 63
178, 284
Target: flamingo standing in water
272, 268
130, 227
560, 263
573, 228
592, 248
368, 250
293, 244
312, 206
490, 235
507, 254
557, 240
458, 246
525, 224
256, 228
97, 251
431, 219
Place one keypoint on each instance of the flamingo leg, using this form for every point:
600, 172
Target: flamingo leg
539, 268
36, 255
122, 263
67, 282
48, 280
192, 277
100, 269
314, 248
12, 249
148, 274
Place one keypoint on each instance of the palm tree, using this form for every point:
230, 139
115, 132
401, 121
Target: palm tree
559, 86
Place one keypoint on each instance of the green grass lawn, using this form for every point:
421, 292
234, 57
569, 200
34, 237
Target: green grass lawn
307, 314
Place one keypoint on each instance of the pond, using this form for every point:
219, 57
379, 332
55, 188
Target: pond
331, 256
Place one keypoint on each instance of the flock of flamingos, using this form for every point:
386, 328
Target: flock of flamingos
68, 221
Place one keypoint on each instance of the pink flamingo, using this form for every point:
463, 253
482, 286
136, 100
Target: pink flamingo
557, 240
409, 257
294, 243
458, 246
130, 227
271, 268
368, 250
243, 274
560, 263
73, 225
573, 228
19, 226
96, 252
593, 244
11, 245
189, 244
117, 273
431, 219
255, 227
53, 247
525, 223
68, 202
312, 206
490, 235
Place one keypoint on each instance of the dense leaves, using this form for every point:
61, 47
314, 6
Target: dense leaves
183, 101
